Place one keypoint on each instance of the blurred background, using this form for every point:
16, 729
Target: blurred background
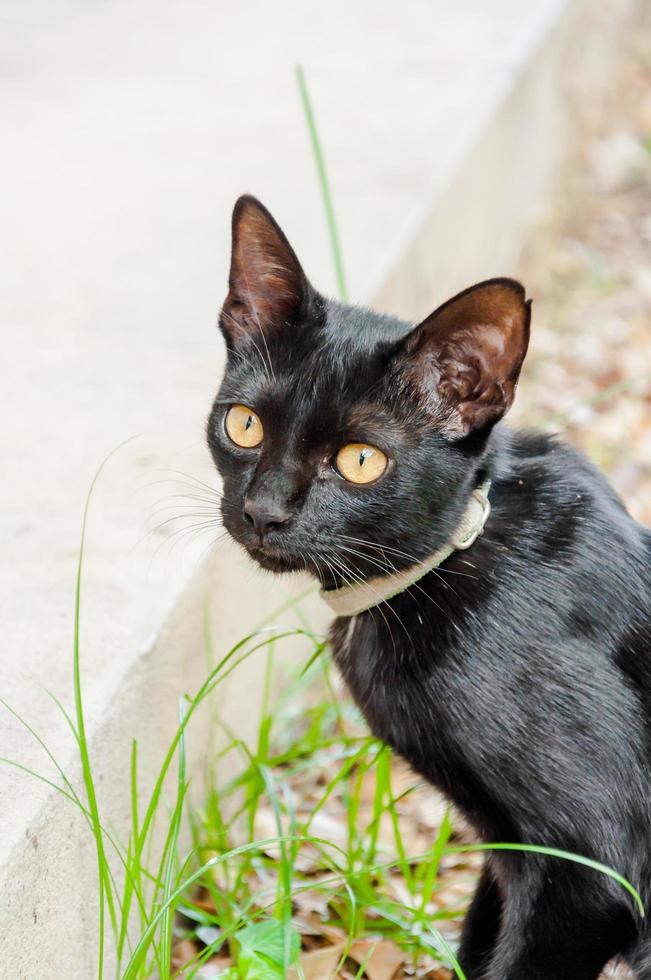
461, 140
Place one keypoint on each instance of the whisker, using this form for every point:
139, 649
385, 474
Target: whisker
210, 516
212, 544
435, 571
185, 535
318, 570
201, 498
382, 614
403, 554
266, 347
386, 566
356, 577
414, 586
187, 510
191, 478
191, 527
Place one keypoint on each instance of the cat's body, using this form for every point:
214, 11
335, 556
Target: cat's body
525, 696
517, 676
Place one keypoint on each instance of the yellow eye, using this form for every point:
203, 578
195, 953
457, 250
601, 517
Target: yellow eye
359, 463
244, 427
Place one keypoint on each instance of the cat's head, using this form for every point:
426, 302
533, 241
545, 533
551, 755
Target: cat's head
348, 442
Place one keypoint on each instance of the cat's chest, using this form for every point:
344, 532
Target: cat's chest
429, 703
408, 700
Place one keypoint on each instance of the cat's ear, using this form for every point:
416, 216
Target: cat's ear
465, 358
267, 286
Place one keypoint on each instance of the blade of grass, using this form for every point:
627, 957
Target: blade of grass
285, 876
323, 183
105, 889
135, 878
69, 787
365, 962
557, 853
433, 867
170, 855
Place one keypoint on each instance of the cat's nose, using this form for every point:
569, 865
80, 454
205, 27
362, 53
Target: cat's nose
265, 515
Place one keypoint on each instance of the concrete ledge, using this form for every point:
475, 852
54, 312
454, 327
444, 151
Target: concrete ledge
133, 133
486, 195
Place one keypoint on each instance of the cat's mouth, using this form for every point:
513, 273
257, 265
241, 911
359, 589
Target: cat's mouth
280, 561
275, 560
327, 566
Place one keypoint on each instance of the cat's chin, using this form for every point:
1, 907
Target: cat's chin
274, 561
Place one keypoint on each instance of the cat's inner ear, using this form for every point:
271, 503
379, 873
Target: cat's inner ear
465, 358
267, 286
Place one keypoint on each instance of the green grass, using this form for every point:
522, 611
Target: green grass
324, 184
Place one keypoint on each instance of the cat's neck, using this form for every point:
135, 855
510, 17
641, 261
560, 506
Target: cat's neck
433, 548
352, 598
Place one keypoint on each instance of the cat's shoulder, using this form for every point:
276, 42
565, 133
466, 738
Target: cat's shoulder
550, 457
560, 479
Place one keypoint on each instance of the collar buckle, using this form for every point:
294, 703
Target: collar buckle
465, 541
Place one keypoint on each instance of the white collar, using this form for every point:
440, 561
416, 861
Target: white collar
357, 597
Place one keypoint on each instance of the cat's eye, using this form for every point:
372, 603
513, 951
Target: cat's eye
360, 463
243, 426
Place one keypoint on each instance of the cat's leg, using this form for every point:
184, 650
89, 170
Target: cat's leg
480, 927
565, 927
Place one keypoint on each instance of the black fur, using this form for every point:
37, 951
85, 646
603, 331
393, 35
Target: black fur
517, 677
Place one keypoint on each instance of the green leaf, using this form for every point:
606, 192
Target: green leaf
262, 950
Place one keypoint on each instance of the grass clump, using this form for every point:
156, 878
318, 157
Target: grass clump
336, 876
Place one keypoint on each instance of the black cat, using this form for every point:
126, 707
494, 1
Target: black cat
514, 673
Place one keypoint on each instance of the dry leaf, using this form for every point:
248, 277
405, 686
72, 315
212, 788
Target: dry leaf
320, 964
184, 951
214, 967
384, 957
